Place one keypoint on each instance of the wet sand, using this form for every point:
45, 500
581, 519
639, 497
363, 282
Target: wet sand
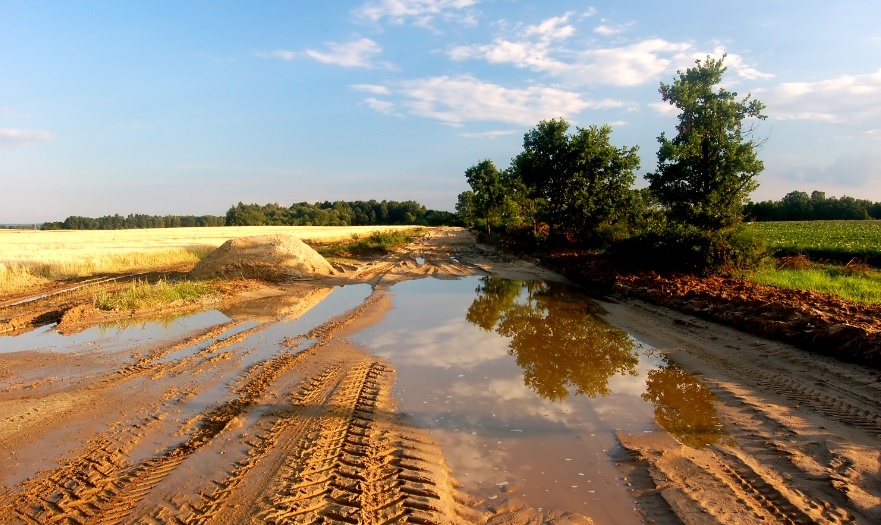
271, 415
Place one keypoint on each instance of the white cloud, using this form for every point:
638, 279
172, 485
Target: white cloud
490, 134
589, 13
607, 29
357, 53
522, 54
282, 54
664, 108
542, 48
19, 138
371, 88
555, 28
628, 65
849, 99
383, 106
736, 64
456, 100
421, 12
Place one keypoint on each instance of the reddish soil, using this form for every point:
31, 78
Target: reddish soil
812, 321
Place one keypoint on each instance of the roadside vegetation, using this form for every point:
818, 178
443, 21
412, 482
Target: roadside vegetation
858, 283
574, 192
142, 294
376, 243
576, 189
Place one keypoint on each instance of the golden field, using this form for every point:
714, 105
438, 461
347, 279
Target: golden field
30, 258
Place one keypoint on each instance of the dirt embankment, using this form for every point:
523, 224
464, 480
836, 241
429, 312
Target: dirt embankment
813, 321
249, 422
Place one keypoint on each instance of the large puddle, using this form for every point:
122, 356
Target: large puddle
520, 382
524, 387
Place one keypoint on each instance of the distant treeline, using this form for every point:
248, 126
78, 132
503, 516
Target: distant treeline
339, 213
134, 221
799, 206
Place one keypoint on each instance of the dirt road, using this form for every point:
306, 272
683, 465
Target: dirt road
263, 419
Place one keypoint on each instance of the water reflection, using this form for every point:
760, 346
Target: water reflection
684, 407
555, 338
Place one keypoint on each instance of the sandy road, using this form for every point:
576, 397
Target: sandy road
803, 431
259, 420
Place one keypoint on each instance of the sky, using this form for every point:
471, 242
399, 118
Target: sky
167, 107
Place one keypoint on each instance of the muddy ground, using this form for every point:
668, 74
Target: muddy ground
211, 427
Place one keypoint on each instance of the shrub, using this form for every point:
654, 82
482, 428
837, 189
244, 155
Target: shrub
683, 247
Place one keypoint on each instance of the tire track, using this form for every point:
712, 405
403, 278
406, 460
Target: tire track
832, 404
272, 447
358, 465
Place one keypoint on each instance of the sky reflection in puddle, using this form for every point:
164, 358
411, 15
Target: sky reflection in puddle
110, 336
523, 388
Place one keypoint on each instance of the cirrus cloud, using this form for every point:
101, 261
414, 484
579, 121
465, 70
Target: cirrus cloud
422, 12
19, 138
357, 53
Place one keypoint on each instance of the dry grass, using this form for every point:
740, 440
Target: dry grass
31, 259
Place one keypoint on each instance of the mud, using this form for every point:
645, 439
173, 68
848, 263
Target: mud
270, 415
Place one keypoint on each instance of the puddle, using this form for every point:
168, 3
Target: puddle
684, 407
523, 387
303, 313
111, 336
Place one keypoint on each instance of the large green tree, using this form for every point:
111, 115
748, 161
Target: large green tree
580, 179
706, 172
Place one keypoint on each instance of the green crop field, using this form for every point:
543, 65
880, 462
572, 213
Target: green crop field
840, 240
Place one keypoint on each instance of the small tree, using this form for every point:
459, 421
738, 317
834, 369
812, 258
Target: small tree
706, 172
489, 194
581, 180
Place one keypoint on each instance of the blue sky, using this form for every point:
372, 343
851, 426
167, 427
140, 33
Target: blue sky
189, 107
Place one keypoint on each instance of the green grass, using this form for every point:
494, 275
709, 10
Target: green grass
839, 240
861, 287
142, 294
377, 243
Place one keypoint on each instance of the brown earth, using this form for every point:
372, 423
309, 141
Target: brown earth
244, 423
275, 257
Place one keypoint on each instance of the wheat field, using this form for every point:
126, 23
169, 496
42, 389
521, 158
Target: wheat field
30, 259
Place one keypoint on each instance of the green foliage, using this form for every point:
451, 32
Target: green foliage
377, 243
706, 172
799, 206
465, 210
134, 221
684, 247
839, 240
857, 286
576, 182
488, 196
142, 294
338, 213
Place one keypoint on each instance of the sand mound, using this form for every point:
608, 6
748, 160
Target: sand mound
270, 257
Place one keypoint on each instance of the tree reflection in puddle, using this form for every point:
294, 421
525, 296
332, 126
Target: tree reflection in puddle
684, 407
555, 337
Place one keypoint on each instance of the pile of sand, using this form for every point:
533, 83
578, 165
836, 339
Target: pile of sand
269, 257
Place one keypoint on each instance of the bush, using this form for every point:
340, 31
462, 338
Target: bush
687, 248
